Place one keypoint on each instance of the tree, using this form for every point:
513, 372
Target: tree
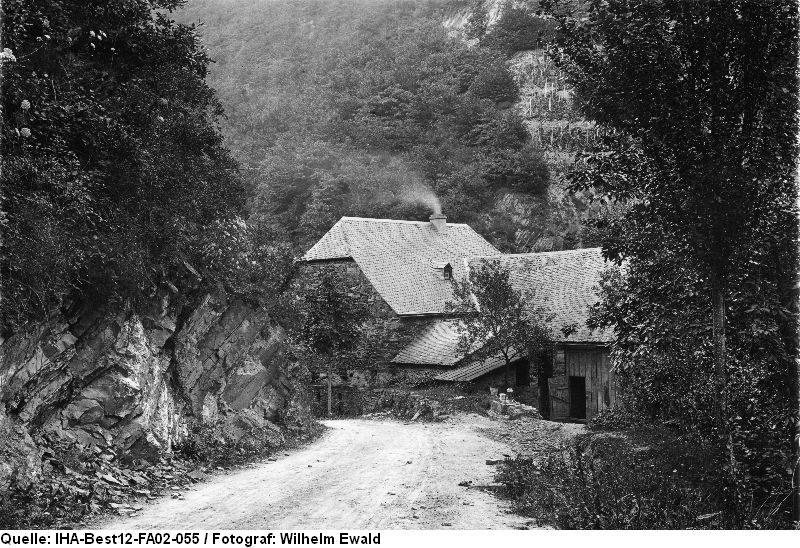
112, 163
325, 321
698, 101
477, 22
517, 29
495, 319
400, 104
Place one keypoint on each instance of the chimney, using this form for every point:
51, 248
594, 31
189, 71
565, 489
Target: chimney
439, 223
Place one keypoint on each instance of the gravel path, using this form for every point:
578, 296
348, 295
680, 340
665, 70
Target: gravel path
360, 474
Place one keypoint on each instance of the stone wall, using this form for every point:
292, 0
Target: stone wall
135, 383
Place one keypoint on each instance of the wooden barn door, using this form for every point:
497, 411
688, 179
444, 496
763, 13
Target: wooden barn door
579, 377
559, 398
590, 364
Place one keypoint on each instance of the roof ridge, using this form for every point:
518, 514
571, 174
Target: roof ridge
395, 221
344, 236
537, 253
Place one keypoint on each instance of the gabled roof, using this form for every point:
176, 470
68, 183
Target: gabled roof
396, 258
564, 282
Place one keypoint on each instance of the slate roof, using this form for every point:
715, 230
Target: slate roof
473, 370
397, 258
564, 282
435, 346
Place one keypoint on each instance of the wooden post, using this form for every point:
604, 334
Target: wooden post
330, 387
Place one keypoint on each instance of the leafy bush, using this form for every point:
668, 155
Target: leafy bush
603, 487
222, 444
496, 83
517, 29
647, 479
663, 349
112, 162
614, 418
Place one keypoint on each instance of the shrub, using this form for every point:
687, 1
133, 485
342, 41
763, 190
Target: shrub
604, 485
111, 165
614, 418
223, 444
648, 479
495, 83
518, 30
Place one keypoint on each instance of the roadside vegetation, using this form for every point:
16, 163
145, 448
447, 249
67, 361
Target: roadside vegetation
626, 473
698, 104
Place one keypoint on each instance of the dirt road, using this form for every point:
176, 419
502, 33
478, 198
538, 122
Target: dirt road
360, 474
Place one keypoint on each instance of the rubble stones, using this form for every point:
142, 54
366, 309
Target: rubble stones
512, 409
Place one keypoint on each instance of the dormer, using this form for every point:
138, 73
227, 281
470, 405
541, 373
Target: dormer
444, 269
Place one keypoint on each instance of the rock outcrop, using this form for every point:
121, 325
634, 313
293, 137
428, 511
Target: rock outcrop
136, 383
20, 462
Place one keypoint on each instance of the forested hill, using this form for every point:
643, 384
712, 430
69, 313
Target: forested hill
342, 107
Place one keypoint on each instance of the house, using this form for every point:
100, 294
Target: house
581, 382
404, 271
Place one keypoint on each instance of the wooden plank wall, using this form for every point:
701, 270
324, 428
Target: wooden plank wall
559, 389
588, 362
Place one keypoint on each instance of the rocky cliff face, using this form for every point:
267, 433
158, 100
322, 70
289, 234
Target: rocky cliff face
134, 384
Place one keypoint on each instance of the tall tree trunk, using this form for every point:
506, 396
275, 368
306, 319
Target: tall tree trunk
796, 445
544, 371
789, 290
720, 351
721, 411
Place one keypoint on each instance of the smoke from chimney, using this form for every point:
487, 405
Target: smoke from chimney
419, 194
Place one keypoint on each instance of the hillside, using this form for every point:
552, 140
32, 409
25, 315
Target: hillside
546, 104
369, 108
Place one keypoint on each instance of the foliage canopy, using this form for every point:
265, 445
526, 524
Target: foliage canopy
112, 163
699, 100
496, 319
357, 108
